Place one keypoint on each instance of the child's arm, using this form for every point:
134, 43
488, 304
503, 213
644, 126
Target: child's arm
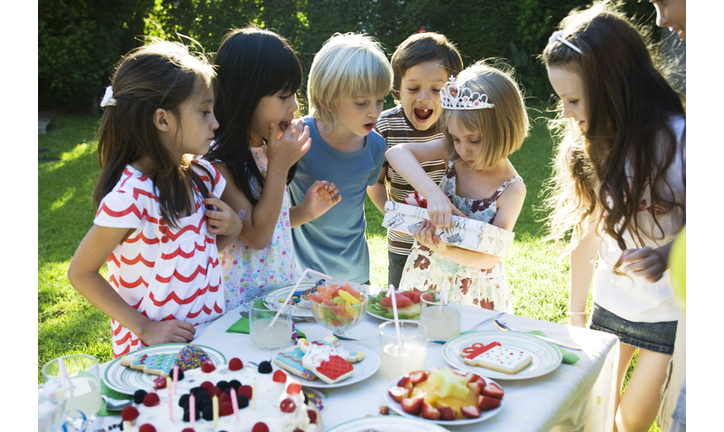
223, 222
84, 275
509, 205
320, 197
406, 158
262, 218
583, 262
378, 193
648, 262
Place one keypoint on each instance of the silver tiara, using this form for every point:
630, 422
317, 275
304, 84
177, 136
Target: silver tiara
454, 96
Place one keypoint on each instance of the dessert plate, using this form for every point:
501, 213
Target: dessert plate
362, 370
546, 357
373, 299
275, 299
126, 380
484, 415
391, 423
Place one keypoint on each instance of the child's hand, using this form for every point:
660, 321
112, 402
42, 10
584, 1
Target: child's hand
223, 220
291, 146
425, 234
170, 331
321, 196
440, 209
646, 262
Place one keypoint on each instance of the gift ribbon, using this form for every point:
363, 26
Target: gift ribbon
477, 348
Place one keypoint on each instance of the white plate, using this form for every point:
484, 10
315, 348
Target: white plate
374, 315
126, 380
276, 298
484, 415
362, 370
388, 424
546, 357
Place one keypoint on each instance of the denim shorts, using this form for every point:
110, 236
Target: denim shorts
657, 336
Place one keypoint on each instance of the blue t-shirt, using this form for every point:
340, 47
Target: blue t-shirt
335, 243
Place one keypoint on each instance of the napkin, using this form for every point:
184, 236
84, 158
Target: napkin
112, 394
242, 325
568, 357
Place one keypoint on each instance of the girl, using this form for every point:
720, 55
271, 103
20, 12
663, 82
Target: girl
257, 147
480, 183
152, 223
620, 185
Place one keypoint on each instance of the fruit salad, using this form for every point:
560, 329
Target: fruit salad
445, 394
337, 307
408, 304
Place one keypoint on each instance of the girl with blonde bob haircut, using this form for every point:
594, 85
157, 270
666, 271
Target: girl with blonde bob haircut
480, 183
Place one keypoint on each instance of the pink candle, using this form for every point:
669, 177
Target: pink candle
170, 399
175, 377
235, 403
192, 410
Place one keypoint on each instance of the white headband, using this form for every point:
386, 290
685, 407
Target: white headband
558, 37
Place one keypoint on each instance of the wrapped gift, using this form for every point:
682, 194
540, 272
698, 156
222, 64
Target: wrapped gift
464, 233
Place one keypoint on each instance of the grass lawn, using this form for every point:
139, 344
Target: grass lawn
67, 323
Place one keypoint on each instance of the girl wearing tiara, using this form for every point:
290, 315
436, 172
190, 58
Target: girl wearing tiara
620, 186
480, 183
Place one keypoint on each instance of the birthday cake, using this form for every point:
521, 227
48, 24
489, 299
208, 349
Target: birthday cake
203, 400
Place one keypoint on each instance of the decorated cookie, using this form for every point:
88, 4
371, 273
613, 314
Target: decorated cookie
496, 357
190, 357
332, 342
291, 361
155, 364
326, 363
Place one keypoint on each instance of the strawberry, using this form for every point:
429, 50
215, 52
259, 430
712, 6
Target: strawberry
312, 416
475, 387
486, 403
208, 366
470, 412
245, 390
294, 388
129, 413
412, 406
260, 427
399, 393
151, 399
429, 412
419, 376
446, 413
405, 382
493, 390
235, 364
473, 377
280, 376
147, 428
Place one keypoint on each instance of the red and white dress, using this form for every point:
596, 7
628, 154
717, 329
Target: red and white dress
163, 273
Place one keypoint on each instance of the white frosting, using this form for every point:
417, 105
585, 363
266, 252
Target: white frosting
268, 395
316, 354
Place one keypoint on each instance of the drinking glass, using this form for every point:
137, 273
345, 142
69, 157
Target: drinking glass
78, 377
51, 407
396, 360
264, 336
442, 321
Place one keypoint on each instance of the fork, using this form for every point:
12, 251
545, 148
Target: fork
473, 328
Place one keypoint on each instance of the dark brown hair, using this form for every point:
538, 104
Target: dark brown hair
159, 75
420, 48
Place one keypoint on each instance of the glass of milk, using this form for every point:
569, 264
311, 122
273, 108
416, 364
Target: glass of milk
442, 320
411, 355
78, 377
263, 334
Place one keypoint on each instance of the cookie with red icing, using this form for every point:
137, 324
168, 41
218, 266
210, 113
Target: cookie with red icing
497, 357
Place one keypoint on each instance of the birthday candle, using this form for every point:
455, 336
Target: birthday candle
215, 407
253, 397
192, 410
170, 399
175, 377
235, 403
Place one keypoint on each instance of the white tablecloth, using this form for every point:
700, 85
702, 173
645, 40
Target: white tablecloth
573, 397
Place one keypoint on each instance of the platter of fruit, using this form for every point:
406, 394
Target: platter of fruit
338, 307
445, 396
408, 305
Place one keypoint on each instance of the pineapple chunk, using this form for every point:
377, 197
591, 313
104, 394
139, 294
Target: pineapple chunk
448, 383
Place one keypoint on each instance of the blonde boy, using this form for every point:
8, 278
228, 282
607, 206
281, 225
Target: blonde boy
422, 64
348, 81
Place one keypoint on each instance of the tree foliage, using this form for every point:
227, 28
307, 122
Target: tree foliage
81, 40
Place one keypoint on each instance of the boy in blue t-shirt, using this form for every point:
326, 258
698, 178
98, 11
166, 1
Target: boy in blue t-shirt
348, 81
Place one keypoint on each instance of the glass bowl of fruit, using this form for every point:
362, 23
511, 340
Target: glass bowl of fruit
338, 307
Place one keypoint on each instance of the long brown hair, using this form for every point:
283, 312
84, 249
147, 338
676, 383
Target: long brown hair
630, 107
159, 75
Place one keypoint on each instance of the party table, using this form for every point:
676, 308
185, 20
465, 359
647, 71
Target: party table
577, 396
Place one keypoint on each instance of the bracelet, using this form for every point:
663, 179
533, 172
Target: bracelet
576, 313
242, 214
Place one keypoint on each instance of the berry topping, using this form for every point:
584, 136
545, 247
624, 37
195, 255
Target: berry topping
280, 376
287, 405
245, 390
206, 385
188, 430
223, 385
159, 383
129, 413
147, 428
243, 402
208, 366
265, 367
312, 416
235, 384
294, 388
225, 409
207, 413
151, 399
224, 397
260, 427
138, 396
183, 401
180, 375
235, 364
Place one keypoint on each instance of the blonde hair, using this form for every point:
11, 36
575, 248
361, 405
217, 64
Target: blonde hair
503, 127
347, 65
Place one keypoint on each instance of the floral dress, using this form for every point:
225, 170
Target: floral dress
426, 270
252, 273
